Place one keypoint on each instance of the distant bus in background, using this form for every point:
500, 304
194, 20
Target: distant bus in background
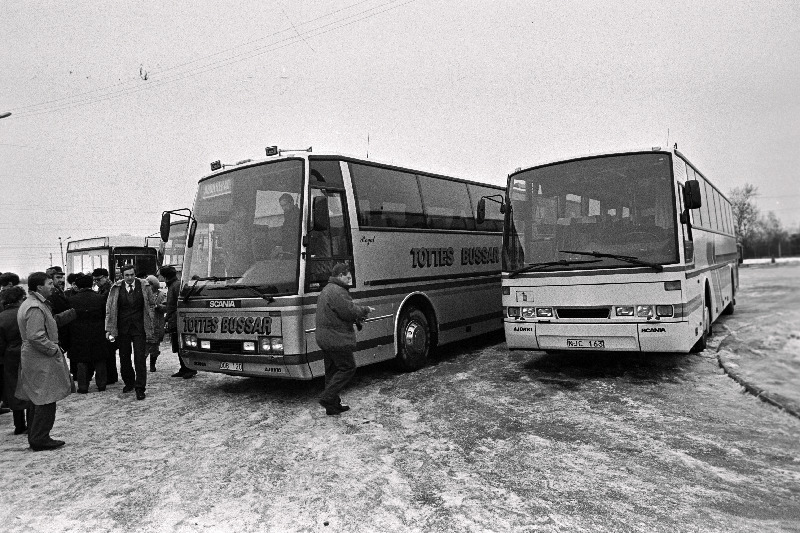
111, 252
170, 253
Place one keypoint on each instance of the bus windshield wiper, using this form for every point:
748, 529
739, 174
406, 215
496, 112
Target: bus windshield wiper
560, 262
253, 290
190, 292
627, 258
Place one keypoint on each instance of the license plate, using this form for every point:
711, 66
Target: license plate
586, 343
231, 366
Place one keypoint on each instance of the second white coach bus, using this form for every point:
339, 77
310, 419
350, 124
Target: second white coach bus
626, 251
269, 232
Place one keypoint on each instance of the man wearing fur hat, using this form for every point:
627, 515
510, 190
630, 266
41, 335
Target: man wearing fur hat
158, 320
336, 316
129, 319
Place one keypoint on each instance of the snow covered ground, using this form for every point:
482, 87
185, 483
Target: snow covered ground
482, 439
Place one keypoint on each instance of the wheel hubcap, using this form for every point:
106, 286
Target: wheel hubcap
415, 338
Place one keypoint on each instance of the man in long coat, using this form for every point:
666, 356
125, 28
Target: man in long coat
129, 319
44, 376
87, 333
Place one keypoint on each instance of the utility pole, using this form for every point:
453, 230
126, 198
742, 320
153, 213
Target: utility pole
61, 246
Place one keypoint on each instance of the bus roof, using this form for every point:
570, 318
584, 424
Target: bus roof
307, 154
655, 149
105, 242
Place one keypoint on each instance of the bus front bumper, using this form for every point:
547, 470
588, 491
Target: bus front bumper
286, 367
654, 336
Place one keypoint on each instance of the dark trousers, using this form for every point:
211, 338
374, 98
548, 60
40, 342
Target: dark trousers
112, 375
19, 418
153, 351
85, 375
44, 416
173, 337
134, 375
340, 367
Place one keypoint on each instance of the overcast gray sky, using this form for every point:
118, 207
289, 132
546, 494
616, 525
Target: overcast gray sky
472, 89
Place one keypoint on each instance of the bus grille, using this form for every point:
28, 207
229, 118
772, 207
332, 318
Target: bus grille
583, 312
226, 346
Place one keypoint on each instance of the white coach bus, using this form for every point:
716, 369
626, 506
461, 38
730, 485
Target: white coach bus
618, 252
266, 234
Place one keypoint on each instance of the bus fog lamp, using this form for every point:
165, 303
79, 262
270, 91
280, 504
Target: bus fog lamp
625, 310
528, 312
664, 310
544, 312
644, 311
249, 346
205, 345
513, 312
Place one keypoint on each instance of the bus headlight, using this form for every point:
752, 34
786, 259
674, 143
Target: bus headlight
270, 345
249, 346
190, 340
205, 345
544, 312
513, 312
625, 310
528, 312
664, 310
644, 311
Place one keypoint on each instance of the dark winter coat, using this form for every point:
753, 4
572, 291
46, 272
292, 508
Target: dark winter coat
87, 333
336, 316
171, 315
10, 349
10, 338
58, 304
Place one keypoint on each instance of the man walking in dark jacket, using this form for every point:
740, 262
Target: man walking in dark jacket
336, 316
103, 284
88, 350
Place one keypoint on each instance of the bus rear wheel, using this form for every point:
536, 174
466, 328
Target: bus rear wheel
414, 340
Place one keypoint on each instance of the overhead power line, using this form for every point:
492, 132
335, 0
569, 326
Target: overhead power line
110, 92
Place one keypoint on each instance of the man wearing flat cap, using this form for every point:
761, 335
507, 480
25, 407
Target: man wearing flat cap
336, 316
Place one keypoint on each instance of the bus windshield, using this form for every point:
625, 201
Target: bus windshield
248, 232
621, 205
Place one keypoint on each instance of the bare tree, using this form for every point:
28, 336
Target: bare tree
745, 212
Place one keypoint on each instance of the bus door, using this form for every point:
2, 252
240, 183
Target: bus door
328, 241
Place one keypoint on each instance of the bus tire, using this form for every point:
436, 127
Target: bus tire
730, 307
702, 342
414, 338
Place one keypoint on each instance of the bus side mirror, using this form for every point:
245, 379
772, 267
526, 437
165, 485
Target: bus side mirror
192, 230
691, 195
164, 226
481, 211
319, 213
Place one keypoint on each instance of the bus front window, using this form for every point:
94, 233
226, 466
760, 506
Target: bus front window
248, 231
622, 205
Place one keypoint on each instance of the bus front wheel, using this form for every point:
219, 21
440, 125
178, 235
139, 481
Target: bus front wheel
414, 340
702, 342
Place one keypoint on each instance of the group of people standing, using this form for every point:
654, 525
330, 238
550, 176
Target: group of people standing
47, 326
